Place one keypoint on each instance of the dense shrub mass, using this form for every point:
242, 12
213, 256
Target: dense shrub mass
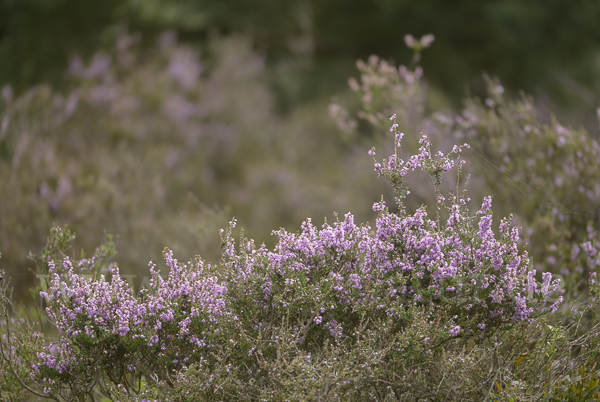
345, 311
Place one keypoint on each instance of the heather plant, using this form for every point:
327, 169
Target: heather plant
545, 173
345, 311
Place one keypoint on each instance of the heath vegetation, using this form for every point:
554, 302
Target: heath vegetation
440, 299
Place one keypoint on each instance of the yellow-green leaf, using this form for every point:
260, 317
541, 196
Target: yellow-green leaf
520, 359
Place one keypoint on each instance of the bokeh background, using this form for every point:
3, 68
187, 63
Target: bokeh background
160, 120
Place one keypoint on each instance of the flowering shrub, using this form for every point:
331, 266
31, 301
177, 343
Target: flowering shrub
333, 311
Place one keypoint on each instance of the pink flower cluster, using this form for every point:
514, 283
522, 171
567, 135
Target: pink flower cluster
102, 324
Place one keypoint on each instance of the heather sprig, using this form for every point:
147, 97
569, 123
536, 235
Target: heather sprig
394, 168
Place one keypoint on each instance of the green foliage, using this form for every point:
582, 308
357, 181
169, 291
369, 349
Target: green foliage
19, 345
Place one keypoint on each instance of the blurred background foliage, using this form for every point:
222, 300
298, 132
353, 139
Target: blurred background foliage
161, 150
109, 124
551, 46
